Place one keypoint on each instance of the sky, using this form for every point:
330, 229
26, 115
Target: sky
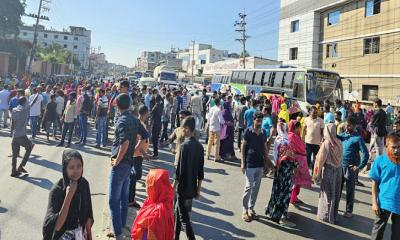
124, 28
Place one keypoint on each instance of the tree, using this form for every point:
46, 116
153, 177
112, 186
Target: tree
54, 53
10, 17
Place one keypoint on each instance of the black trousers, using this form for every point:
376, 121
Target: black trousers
155, 136
311, 149
380, 223
136, 175
240, 132
182, 218
164, 135
16, 145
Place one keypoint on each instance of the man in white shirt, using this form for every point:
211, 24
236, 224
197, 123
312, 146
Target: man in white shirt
60, 105
35, 103
214, 119
4, 104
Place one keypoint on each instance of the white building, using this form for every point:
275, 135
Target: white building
76, 40
299, 32
226, 66
198, 55
149, 60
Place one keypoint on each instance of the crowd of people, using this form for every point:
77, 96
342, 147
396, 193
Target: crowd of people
324, 145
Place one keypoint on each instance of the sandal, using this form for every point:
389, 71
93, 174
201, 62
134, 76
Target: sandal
286, 223
253, 215
246, 217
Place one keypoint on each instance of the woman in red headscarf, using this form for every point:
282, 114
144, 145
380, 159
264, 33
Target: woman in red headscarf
301, 176
155, 220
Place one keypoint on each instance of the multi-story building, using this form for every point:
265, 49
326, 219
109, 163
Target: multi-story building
198, 55
76, 39
357, 38
98, 63
149, 60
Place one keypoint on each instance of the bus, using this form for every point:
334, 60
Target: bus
220, 82
201, 82
307, 86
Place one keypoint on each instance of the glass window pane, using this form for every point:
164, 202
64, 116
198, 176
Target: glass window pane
369, 8
288, 79
258, 78
278, 79
333, 18
249, 78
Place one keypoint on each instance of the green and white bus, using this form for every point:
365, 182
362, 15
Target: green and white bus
305, 85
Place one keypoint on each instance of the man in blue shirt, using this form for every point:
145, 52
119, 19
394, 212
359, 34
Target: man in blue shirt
385, 175
248, 115
353, 148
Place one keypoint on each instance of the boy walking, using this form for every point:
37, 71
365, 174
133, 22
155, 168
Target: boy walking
385, 175
254, 151
188, 178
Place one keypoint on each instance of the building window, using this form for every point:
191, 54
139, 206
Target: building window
372, 7
331, 50
333, 18
75, 47
295, 26
293, 54
45, 44
45, 35
24, 33
371, 45
369, 92
65, 37
65, 46
55, 36
75, 38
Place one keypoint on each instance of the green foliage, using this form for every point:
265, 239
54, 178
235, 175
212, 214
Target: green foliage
247, 54
54, 53
10, 17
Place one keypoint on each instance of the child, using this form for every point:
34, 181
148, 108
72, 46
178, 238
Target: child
155, 219
188, 178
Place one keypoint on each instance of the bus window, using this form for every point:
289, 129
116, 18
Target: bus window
235, 77
242, 77
272, 79
267, 76
259, 78
279, 79
289, 80
298, 91
249, 78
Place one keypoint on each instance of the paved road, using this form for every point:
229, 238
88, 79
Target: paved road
217, 215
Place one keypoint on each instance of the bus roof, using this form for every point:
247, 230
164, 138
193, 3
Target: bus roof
285, 70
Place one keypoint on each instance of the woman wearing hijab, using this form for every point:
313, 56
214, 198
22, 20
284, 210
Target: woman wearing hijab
227, 150
155, 220
284, 113
69, 213
328, 172
277, 208
301, 176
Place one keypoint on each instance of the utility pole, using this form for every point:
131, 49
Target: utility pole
193, 61
42, 6
241, 24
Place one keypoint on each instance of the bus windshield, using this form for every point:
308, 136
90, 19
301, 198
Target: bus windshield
168, 76
321, 86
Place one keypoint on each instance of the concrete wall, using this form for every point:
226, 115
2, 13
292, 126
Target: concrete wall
381, 69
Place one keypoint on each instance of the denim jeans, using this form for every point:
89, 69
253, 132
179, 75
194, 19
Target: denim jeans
118, 196
68, 127
349, 177
182, 218
101, 131
253, 182
136, 175
83, 121
34, 125
380, 223
4, 115
198, 119
164, 135
48, 124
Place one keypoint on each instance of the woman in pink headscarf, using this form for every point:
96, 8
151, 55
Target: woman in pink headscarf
301, 176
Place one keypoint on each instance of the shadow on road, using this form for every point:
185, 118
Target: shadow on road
40, 182
3, 210
35, 159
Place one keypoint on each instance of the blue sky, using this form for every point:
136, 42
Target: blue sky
125, 28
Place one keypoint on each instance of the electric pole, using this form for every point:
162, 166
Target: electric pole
193, 61
43, 5
241, 24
